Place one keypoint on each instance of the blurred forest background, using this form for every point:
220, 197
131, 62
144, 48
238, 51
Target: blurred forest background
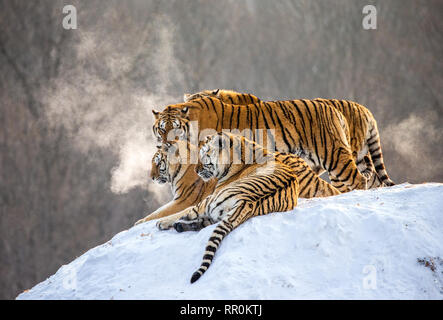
75, 118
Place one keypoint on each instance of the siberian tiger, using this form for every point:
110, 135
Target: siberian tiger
313, 130
363, 131
245, 189
187, 187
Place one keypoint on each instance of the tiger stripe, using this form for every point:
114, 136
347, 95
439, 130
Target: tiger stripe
244, 192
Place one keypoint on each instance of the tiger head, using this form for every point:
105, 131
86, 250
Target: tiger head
165, 163
171, 160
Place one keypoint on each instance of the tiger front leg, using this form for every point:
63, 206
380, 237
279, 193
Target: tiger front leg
167, 210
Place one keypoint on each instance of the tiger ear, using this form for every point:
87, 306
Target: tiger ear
155, 113
215, 92
186, 97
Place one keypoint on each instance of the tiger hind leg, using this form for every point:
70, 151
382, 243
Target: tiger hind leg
194, 220
344, 171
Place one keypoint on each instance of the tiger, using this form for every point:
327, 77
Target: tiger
244, 189
187, 187
364, 135
313, 130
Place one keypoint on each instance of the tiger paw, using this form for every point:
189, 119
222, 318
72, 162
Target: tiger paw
140, 221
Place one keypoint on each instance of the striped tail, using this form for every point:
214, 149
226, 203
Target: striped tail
222, 229
377, 155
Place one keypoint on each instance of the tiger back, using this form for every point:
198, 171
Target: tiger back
365, 139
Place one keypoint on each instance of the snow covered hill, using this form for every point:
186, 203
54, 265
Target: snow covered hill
376, 244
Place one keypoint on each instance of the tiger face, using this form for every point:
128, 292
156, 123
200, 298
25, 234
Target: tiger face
202, 94
159, 171
214, 157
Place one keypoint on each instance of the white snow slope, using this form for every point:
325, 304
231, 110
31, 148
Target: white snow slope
359, 245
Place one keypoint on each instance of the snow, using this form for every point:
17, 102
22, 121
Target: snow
359, 245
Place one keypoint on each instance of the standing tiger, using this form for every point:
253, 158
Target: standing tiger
245, 189
363, 131
189, 189
313, 130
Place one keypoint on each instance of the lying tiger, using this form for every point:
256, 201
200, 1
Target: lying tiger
311, 129
363, 131
245, 189
173, 163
